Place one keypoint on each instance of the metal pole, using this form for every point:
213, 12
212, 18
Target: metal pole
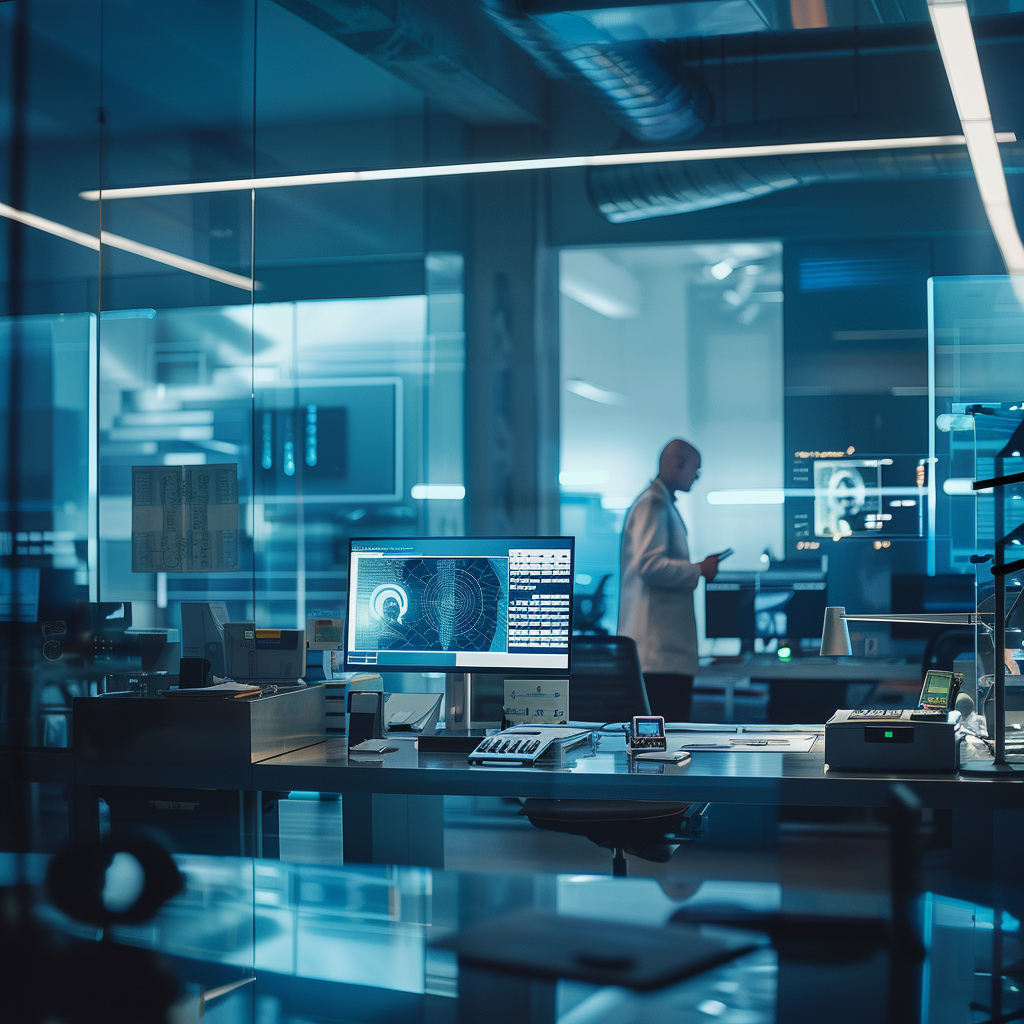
999, 580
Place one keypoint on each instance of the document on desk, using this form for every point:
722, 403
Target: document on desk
766, 742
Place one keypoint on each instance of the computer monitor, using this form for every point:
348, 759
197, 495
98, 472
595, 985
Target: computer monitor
729, 606
766, 605
941, 594
460, 604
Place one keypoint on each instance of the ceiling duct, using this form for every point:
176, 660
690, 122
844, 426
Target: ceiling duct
639, 84
641, 191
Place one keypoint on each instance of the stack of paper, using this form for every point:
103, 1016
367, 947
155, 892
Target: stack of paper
217, 692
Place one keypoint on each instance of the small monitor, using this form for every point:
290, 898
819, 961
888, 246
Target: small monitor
940, 594
325, 634
729, 606
460, 604
767, 605
790, 605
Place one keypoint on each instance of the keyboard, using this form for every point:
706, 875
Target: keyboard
878, 714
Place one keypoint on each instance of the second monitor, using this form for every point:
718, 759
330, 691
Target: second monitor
460, 604
764, 605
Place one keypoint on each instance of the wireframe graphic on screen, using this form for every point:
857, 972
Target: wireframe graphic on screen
460, 603
432, 604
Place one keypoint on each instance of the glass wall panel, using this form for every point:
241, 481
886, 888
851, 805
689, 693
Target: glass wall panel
976, 364
176, 339
663, 342
50, 101
359, 342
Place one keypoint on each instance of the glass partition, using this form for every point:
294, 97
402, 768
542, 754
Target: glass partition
976, 363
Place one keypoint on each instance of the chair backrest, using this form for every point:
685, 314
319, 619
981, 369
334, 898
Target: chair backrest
606, 684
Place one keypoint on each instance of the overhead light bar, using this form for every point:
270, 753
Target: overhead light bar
952, 23
434, 492
536, 164
149, 252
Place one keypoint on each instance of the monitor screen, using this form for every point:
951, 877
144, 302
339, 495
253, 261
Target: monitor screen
920, 593
729, 606
460, 604
765, 605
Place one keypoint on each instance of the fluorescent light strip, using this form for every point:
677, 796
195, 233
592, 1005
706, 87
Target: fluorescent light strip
952, 23
437, 492
778, 495
537, 164
148, 252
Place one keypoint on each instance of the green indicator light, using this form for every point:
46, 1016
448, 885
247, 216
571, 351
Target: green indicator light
888, 734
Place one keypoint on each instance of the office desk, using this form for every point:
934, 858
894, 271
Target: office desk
288, 942
735, 673
393, 806
394, 811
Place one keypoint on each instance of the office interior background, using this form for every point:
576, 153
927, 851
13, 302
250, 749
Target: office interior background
487, 353
501, 353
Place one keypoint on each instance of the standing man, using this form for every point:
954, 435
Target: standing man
657, 582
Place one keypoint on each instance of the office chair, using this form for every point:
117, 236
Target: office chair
606, 685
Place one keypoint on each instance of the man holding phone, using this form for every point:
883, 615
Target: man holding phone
657, 582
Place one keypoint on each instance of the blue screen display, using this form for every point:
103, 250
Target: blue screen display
460, 604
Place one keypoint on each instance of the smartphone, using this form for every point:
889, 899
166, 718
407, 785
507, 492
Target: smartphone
722, 555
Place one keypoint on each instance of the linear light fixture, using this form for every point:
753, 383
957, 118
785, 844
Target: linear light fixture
437, 492
149, 252
952, 23
778, 495
537, 164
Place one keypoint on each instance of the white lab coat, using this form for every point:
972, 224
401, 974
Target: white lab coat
657, 582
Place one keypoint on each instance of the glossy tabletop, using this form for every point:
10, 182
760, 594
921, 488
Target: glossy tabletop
607, 773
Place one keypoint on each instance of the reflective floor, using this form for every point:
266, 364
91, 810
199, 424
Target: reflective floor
265, 942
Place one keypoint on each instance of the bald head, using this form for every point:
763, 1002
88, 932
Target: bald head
679, 465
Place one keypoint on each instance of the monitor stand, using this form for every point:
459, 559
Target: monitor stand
458, 702
459, 734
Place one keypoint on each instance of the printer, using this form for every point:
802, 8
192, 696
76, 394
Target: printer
264, 656
925, 739
892, 741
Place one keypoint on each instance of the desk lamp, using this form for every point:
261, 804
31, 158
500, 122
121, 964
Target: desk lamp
835, 634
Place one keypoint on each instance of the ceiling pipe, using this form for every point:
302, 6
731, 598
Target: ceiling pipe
642, 191
639, 85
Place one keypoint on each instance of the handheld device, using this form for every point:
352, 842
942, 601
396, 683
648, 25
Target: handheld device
939, 690
647, 732
723, 555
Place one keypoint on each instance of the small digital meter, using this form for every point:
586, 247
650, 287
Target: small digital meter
647, 732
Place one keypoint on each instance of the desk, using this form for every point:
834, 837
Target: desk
739, 672
340, 944
403, 792
406, 789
